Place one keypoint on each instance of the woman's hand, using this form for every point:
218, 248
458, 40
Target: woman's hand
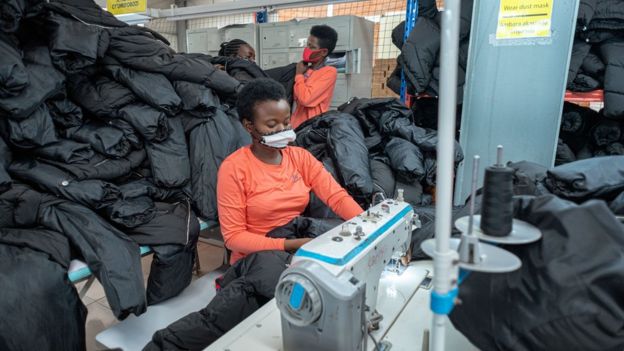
302, 67
294, 244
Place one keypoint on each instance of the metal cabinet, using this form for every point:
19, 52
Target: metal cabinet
274, 59
246, 32
208, 40
205, 41
273, 36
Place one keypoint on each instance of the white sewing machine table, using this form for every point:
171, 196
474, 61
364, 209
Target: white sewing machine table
402, 301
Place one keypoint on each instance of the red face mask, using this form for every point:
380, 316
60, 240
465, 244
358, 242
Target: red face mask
307, 55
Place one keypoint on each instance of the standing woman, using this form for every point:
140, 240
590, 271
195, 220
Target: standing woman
260, 187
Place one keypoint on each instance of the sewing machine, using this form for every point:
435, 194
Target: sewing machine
328, 295
344, 288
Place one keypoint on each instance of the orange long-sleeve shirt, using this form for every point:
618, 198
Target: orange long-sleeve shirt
254, 197
313, 92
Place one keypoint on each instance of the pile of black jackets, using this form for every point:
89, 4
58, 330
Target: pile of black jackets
585, 133
108, 140
419, 59
599, 178
568, 293
598, 53
371, 146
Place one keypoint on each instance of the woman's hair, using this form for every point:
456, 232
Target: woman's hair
257, 91
230, 48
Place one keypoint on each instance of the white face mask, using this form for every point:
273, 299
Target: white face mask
279, 140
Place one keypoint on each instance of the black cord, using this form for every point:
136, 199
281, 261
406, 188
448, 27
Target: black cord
375, 341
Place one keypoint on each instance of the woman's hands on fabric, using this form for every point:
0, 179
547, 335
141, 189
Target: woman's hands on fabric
294, 244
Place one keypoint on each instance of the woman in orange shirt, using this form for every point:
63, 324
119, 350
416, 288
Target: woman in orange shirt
260, 187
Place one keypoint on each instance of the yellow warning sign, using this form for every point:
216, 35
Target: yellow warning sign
524, 19
120, 7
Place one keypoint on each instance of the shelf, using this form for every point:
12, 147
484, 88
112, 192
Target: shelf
409, 98
590, 96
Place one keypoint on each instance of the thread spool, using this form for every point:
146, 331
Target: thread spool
497, 205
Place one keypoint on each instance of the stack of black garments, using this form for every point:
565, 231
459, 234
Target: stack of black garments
585, 133
371, 146
598, 53
108, 140
419, 59
568, 293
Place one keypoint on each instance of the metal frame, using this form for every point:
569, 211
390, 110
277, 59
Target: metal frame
411, 16
233, 8
444, 257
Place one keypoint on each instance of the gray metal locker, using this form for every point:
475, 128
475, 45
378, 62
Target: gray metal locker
205, 41
246, 32
273, 36
274, 59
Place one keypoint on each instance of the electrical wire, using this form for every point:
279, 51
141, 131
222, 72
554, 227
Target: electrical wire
374, 341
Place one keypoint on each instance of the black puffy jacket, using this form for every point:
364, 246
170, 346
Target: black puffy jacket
13, 74
152, 88
104, 139
211, 140
406, 160
169, 159
139, 50
339, 136
49, 305
600, 177
34, 131
197, 99
66, 151
14, 11
419, 53
64, 112
92, 193
568, 293
101, 167
149, 122
99, 94
109, 253
612, 52
5, 161
241, 69
44, 81
74, 45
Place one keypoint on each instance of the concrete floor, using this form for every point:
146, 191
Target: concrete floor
100, 316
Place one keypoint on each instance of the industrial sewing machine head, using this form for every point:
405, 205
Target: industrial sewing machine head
328, 295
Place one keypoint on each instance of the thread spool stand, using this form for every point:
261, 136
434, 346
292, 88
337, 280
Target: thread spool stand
521, 232
473, 254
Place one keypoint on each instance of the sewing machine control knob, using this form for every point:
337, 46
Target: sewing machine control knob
345, 230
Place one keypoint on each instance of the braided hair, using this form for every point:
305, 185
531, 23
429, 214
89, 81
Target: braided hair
230, 48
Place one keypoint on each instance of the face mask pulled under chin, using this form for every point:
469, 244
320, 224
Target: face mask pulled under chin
279, 140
